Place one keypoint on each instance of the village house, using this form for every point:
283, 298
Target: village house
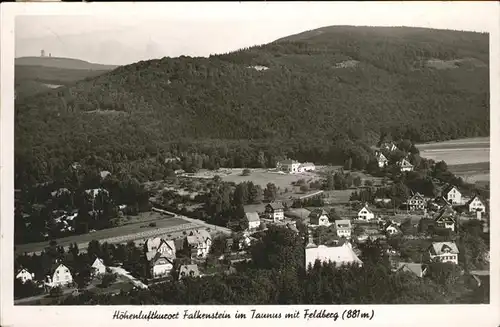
98, 267
306, 166
417, 269
444, 252
365, 213
189, 271
59, 276
319, 217
392, 229
343, 228
104, 174
24, 275
452, 195
199, 242
161, 264
288, 166
159, 245
381, 159
339, 255
446, 218
275, 211
253, 220
405, 165
476, 205
438, 203
416, 202
388, 146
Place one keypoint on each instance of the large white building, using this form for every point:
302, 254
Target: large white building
293, 166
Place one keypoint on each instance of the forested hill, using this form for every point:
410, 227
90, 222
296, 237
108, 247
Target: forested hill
306, 96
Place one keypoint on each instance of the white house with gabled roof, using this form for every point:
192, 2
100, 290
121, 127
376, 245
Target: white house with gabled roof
24, 275
476, 205
366, 214
98, 267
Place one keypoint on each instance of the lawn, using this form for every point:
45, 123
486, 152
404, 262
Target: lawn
141, 229
458, 152
258, 176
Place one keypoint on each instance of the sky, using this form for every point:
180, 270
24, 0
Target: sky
123, 33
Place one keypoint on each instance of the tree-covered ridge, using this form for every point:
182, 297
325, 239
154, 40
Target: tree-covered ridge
340, 86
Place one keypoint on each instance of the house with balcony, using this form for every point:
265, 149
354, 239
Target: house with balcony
444, 252
275, 211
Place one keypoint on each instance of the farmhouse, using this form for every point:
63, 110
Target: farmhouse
275, 211
189, 271
59, 276
416, 202
452, 195
98, 267
161, 265
366, 214
343, 228
417, 269
199, 242
339, 255
475, 204
93, 193
405, 165
288, 166
24, 275
319, 217
445, 218
253, 220
381, 159
444, 252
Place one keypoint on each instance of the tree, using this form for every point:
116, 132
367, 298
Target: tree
357, 181
270, 192
368, 182
107, 279
304, 188
246, 172
333, 215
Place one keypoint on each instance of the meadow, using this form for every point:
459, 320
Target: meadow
467, 158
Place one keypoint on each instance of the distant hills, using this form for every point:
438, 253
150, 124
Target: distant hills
40, 74
322, 96
61, 63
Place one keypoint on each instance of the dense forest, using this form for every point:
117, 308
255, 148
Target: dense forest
325, 96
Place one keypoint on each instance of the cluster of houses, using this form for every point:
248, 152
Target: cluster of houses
343, 254
161, 253
388, 147
294, 167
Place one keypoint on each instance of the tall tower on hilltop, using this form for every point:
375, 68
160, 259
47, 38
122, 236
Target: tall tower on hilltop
42, 54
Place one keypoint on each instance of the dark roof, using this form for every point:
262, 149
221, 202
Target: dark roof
179, 244
275, 205
474, 197
448, 188
316, 213
446, 212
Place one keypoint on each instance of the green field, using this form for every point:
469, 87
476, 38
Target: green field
139, 230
